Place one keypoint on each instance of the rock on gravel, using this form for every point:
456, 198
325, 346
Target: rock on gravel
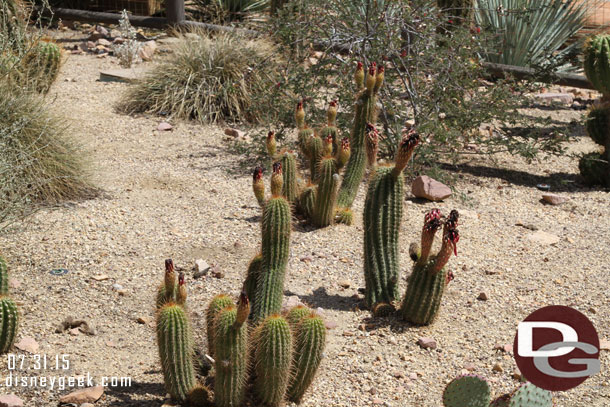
28, 344
429, 188
10, 400
542, 237
87, 395
554, 199
164, 126
427, 343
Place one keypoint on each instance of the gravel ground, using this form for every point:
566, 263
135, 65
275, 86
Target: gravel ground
175, 194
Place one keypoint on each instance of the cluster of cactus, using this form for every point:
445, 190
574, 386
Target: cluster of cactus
427, 282
474, 391
40, 66
595, 167
326, 197
9, 317
269, 355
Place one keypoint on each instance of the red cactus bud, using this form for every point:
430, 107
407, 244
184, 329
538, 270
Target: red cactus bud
450, 277
333, 103
181, 278
257, 175
299, 105
453, 236
478, 30
450, 21
359, 66
373, 69
433, 214
277, 168
345, 143
169, 266
270, 135
381, 69
452, 219
403, 53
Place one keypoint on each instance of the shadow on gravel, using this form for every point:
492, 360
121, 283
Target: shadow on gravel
559, 182
138, 394
320, 298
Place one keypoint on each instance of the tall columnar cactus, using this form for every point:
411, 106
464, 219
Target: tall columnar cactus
3, 277
217, 304
276, 227
174, 339
315, 148
290, 189
366, 113
167, 290
597, 62
271, 144
331, 130
231, 354
272, 359
474, 391
9, 317
328, 185
310, 339
304, 132
595, 167
429, 278
382, 216
252, 276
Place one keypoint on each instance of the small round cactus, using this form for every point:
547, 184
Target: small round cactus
467, 391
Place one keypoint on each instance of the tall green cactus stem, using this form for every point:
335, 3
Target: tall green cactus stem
315, 148
365, 112
231, 357
272, 359
276, 225
290, 189
258, 186
331, 130
310, 339
252, 276
597, 62
426, 285
382, 216
175, 343
326, 198
467, 391
3, 277
307, 200
167, 290
9, 320
217, 304
271, 144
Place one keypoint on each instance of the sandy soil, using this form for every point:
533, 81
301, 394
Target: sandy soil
180, 194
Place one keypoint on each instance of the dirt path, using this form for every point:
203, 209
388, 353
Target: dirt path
173, 194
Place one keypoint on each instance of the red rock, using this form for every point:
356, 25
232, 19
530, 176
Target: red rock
554, 199
427, 343
10, 400
87, 395
164, 126
429, 188
28, 344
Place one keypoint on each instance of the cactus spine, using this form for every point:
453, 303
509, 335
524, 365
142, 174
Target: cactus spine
176, 346
429, 278
366, 112
9, 316
310, 339
276, 226
382, 216
273, 356
231, 350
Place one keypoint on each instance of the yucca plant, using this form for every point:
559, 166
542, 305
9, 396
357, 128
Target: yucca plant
533, 33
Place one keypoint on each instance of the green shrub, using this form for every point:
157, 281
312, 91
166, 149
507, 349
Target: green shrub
533, 33
38, 162
433, 78
208, 80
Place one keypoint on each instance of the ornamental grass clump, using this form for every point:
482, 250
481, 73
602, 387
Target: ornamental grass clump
207, 79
